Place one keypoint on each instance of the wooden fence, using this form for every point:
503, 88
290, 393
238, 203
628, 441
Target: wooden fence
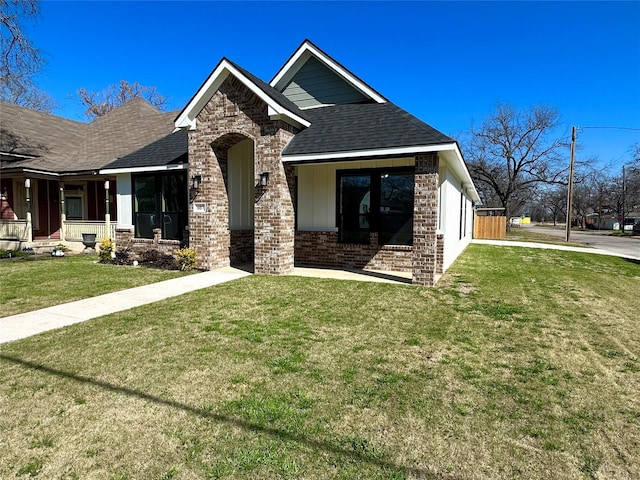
494, 228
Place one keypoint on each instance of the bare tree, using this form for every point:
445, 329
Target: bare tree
513, 152
20, 60
99, 103
553, 200
632, 180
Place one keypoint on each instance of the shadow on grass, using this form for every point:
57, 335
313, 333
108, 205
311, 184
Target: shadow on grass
318, 444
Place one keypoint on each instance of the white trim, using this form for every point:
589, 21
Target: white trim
456, 163
17, 155
158, 168
368, 153
305, 52
41, 172
187, 118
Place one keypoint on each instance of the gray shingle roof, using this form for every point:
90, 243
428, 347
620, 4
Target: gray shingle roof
169, 150
365, 126
274, 94
50, 140
124, 129
59, 145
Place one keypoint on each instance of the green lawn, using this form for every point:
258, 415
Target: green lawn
521, 363
28, 284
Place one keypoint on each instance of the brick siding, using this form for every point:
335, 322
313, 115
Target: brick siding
425, 219
440, 254
125, 239
241, 249
322, 249
234, 113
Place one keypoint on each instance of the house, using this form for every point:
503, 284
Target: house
313, 168
50, 187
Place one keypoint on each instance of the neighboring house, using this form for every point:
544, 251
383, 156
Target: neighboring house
612, 222
313, 168
49, 169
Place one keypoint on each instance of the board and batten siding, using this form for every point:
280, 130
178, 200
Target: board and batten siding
456, 216
241, 185
317, 191
315, 84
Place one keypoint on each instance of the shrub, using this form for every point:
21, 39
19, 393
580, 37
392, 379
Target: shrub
156, 259
106, 250
12, 253
123, 257
186, 258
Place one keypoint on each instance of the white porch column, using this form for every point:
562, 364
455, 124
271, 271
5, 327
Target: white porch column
63, 214
27, 186
107, 214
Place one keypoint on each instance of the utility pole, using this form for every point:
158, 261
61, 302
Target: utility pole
570, 192
624, 181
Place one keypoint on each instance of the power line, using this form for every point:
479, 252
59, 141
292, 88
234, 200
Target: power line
611, 127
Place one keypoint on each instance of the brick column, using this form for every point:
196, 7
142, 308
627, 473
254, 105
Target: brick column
274, 220
209, 230
425, 219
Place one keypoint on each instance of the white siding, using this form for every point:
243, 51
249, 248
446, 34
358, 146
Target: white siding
454, 224
241, 185
317, 191
124, 200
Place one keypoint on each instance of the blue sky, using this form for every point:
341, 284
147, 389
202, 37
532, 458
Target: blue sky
447, 63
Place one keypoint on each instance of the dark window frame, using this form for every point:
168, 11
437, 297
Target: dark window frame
375, 175
159, 213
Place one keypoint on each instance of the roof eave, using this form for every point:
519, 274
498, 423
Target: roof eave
151, 168
187, 118
369, 153
451, 151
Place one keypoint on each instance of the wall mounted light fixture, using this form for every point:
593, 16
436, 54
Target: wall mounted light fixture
195, 182
264, 179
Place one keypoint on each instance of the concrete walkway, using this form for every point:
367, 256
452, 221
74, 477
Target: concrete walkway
27, 324
548, 246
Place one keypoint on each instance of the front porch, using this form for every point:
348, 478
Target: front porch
18, 234
49, 209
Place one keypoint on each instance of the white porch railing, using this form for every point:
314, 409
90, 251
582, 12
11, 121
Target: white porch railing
73, 229
14, 230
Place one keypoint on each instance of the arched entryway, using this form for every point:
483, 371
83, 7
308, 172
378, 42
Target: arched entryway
222, 216
240, 190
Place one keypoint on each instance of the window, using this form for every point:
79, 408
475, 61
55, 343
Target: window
160, 201
376, 201
73, 207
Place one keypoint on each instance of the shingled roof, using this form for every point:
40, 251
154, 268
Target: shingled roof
169, 150
271, 92
362, 127
38, 140
48, 143
124, 129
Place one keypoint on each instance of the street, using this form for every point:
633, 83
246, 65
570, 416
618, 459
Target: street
597, 239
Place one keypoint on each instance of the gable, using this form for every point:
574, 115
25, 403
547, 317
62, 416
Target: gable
279, 106
308, 52
315, 84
